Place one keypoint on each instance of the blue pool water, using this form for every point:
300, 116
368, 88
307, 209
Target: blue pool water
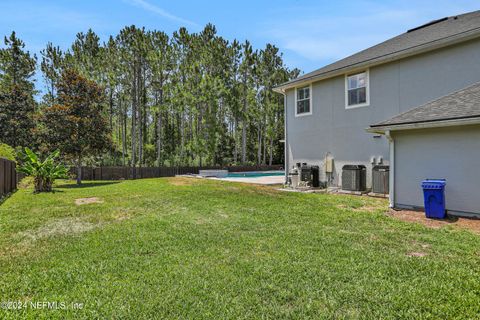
251, 174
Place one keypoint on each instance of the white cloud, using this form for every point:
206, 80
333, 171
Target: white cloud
317, 34
326, 38
161, 12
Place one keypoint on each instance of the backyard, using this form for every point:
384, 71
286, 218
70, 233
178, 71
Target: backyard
203, 249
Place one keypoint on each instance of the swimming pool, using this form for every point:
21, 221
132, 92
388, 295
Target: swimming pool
250, 174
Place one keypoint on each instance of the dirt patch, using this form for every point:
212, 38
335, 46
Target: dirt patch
416, 254
202, 220
367, 208
64, 226
265, 190
419, 217
373, 237
425, 246
182, 181
68, 226
231, 188
82, 201
122, 215
363, 208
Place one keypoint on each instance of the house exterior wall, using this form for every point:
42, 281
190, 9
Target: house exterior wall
394, 88
447, 153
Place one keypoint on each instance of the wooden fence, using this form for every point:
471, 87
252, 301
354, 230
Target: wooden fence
125, 173
8, 177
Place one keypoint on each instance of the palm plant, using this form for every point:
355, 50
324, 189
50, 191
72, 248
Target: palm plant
43, 172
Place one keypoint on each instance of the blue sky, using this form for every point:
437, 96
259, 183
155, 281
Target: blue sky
309, 33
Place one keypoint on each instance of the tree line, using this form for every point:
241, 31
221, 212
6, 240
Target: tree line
144, 98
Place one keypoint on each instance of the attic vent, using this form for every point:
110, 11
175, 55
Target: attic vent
428, 24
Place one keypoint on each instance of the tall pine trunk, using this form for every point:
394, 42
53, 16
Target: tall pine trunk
159, 125
264, 161
235, 140
124, 135
259, 149
244, 134
133, 133
79, 170
140, 109
244, 119
110, 102
270, 160
182, 136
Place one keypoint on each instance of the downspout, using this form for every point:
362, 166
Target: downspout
391, 185
285, 144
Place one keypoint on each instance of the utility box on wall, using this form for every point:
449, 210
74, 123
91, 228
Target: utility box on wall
328, 164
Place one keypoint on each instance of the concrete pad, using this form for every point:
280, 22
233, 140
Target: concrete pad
266, 180
378, 195
355, 193
303, 190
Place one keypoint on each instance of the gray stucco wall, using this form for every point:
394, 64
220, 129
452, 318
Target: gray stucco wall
447, 153
394, 87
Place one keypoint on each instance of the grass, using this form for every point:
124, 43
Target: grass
200, 249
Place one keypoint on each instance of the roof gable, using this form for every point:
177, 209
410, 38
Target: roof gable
438, 33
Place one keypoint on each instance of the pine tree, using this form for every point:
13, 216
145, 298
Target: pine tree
246, 74
51, 66
188, 99
17, 103
161, 65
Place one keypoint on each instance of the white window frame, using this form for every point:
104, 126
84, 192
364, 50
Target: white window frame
367, 93
309, 98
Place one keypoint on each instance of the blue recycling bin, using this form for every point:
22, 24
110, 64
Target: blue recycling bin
434, 198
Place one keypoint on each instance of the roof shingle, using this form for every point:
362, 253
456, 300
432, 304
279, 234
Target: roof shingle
461, 104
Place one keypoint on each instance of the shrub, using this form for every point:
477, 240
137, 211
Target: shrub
43, 172
7, 152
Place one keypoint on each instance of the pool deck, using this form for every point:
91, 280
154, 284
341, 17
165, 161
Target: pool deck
265, 180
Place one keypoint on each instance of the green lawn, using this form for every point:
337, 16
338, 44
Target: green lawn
187, 248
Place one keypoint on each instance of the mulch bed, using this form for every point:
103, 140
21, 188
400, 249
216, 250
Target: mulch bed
419, 217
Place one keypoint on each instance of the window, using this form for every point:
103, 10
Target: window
357, 90
303, 101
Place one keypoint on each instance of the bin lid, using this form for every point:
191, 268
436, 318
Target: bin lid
353, 167
381, 168
433, 183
